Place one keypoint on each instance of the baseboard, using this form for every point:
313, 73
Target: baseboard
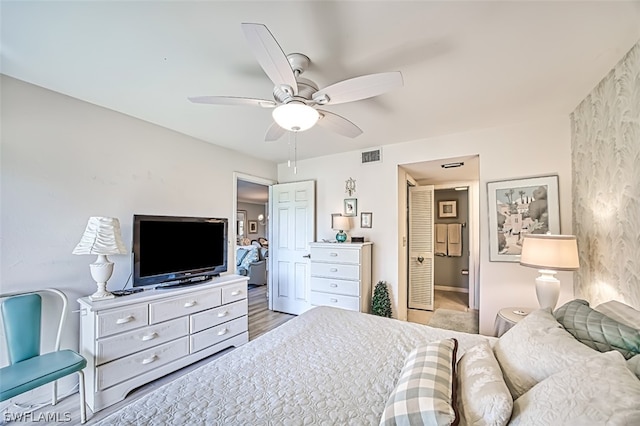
448, 288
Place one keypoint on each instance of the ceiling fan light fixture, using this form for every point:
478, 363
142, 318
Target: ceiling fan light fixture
295, 116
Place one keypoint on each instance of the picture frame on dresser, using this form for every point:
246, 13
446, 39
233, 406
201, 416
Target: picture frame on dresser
518, 207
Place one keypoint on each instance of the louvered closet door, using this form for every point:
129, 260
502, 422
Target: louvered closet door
421, 247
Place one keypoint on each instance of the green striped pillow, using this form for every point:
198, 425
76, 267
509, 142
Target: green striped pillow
425, 391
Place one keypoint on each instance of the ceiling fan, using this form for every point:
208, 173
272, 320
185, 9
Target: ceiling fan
296, 99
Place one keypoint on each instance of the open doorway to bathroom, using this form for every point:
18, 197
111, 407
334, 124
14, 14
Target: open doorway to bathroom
442, 272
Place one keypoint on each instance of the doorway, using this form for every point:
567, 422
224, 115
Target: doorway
250, 236
455, 209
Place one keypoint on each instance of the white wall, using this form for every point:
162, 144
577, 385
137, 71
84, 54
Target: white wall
523, 150
64, 160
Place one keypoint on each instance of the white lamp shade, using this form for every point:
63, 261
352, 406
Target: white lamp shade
342, 223
553, 252
295, 116
102, 237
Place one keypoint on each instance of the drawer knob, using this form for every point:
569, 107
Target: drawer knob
333, 254
223, 314
334, 300
236, 293
150, 359
333, 270
190, 304
223, 332
149, 337
125, 319
334, 285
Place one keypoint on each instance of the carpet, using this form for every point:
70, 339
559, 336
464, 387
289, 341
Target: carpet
455, 320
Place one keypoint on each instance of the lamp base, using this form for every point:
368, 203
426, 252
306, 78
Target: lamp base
547, 289
341, 236
102, 293
101, 271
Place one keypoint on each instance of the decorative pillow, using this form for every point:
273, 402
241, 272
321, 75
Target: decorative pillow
634, 365
621, 313
600, 390
240, 255
484, 396
252, 256
597, 330
534, 349
425, 392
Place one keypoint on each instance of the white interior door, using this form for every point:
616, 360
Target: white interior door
292, 229
421, 247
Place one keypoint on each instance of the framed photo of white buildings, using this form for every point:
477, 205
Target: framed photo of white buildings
518, 207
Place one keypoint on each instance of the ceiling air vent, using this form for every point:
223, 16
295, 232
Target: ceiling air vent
374, 156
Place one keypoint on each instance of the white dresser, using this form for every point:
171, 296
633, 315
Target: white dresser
341, 275
131, 340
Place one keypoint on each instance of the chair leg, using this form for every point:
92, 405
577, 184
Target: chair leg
83, 405
54, 393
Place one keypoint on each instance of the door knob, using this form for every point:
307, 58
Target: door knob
308, 256
420, 259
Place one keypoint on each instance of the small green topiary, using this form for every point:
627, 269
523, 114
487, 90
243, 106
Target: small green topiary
381, 303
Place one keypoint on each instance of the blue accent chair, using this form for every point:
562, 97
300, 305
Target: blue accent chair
29, 369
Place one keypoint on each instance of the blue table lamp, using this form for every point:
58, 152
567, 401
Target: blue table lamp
341, 224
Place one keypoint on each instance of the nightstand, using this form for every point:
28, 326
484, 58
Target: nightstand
508, 317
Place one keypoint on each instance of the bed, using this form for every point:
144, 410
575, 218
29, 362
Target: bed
335, 367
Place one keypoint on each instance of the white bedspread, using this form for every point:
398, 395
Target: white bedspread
327, 366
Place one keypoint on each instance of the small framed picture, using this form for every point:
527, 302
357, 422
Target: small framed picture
447, 209
253, 227
333, 218
366, 220
350, 207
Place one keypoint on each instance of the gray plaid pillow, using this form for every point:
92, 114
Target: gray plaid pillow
425, 392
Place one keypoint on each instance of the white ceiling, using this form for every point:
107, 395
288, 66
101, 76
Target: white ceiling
466, 65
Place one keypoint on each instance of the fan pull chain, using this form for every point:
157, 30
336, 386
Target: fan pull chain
295, 153
289, 149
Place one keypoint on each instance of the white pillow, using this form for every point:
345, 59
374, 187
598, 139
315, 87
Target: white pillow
633, 364
483, 395
598, 391
534, 349
621, 313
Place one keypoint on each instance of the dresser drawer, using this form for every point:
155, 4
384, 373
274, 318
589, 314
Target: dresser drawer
332, 270
336, 300
183, 305
143, 338
212, 317
234, 292
337, 255
128, 367
329, 285
211, 336
119, 320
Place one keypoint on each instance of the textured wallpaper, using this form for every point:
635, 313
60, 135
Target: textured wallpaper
605, 150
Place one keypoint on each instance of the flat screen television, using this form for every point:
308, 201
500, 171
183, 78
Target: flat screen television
173, 250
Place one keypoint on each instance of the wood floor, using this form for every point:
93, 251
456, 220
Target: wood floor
261, 320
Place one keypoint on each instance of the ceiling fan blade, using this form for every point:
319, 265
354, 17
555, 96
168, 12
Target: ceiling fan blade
357, 88
338, 124
270, 55
274, 132
232, 100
